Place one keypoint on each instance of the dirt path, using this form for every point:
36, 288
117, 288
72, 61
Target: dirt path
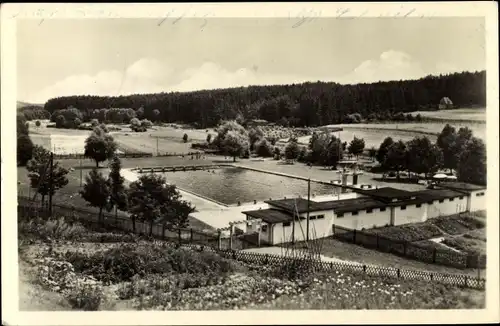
32, 297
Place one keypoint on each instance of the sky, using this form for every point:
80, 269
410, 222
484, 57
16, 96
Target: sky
128, 56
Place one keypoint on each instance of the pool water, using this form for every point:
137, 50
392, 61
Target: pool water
231, 185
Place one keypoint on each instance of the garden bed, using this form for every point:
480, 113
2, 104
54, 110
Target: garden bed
95, 275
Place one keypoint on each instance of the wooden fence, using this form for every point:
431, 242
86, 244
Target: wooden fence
27, 207
420, 252
215, 243
322, 266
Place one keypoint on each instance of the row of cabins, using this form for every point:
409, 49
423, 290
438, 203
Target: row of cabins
370, 208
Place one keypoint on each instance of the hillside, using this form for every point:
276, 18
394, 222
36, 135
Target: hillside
307, 104
22, 105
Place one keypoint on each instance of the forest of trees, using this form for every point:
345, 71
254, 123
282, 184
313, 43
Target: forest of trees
307, 104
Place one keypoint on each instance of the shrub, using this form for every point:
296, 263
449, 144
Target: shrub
146, 123
263, 148
60, 121
86, 297
38, 123
94, 123
55, 228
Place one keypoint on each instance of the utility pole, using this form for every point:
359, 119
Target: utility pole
51, 181
308, 206
81, 172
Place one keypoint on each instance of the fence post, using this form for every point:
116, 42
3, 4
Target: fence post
399, 273
432, 276
465, 280
191, 235
434, 252
364, 267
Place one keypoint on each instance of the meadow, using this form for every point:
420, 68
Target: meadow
375, 133
476, 115
158, 139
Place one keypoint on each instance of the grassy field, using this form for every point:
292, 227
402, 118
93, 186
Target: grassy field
375, 133
164, 139
466, 114
91, 270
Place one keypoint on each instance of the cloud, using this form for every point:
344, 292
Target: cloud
391, 65
149, 75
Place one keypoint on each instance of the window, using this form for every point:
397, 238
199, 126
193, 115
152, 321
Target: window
461, 197
264, 228
302, 217
340, 214
418, 205
441, 200
355, 213
452, 199
312, 217
286, 224
480, 194
403, 208
430, 202
320, 217
369, 211
382, 209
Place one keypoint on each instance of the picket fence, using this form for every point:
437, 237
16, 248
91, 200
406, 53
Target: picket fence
202, 241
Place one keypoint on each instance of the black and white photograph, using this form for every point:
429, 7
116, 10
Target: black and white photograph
300, 158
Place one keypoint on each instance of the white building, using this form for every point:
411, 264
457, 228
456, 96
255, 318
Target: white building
286, 219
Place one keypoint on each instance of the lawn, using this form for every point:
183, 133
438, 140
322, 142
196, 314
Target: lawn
69, 195
162, 139
92, 270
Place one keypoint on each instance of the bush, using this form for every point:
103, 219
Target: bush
86, 297
263, 148
60, 121
94, 123
146, 123
56, 228
121, 264
38, 123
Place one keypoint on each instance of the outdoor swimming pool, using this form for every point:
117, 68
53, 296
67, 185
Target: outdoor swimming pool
231, 185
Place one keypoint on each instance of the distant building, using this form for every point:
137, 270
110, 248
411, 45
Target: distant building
287, 218
445, 103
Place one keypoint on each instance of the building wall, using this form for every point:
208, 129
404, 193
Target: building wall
411, 214
477, 201
447, 207
364, 219
318, 228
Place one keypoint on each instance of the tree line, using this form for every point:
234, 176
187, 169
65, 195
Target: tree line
454, 150
306, 104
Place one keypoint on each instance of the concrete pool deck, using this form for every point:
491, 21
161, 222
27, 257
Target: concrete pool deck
219, 215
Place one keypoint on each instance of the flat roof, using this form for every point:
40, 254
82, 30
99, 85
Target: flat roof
352, 204
270, 216
388, 193
289, 204
463, 186
436, 194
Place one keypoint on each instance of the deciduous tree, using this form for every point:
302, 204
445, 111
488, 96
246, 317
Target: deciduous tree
472, 164
99, 146
153, 201
356, 146
96, 191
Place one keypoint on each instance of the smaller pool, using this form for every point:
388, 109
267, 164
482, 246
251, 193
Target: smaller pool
232, 185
